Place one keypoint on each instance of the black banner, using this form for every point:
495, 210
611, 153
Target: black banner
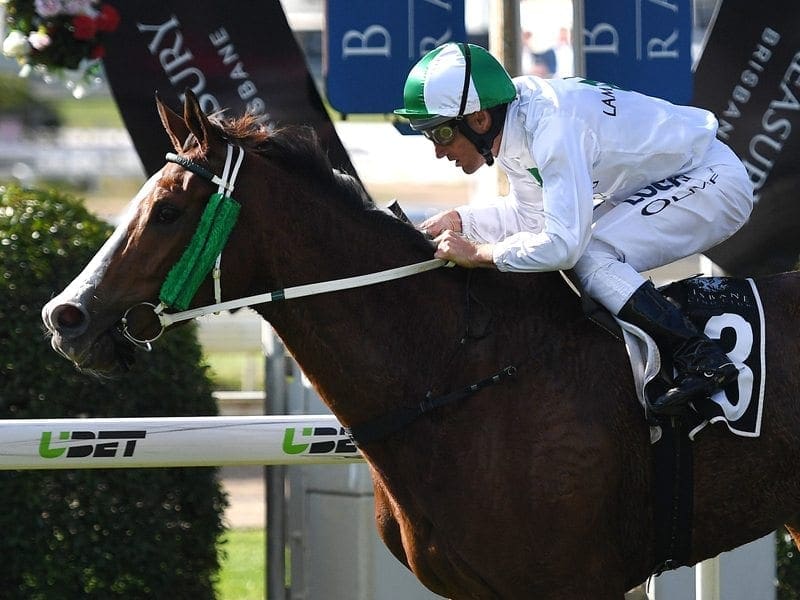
749, 75
235, 55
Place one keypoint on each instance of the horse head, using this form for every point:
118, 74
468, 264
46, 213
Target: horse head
297, 222
116, 291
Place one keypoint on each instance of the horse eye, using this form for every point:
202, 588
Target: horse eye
166, 213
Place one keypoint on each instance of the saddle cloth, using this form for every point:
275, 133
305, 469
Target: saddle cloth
726, 309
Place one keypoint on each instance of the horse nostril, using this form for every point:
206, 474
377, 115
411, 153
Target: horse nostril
69, 319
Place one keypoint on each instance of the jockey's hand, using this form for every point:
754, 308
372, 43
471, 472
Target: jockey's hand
455, 247
449, 219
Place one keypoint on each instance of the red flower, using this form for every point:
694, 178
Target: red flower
98, 51
84, 28
108, 19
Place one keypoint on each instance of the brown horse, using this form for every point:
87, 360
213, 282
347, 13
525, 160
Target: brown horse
536, 487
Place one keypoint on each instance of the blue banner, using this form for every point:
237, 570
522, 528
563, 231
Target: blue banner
372, 46
642, 45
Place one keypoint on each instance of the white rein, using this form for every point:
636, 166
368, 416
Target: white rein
300, 291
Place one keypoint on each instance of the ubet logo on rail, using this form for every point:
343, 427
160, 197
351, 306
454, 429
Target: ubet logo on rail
81, 444
318, 440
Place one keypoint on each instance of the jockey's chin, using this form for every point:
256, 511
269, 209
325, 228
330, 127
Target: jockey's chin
472, 164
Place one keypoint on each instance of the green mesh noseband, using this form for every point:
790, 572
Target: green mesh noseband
198, 259
205, 247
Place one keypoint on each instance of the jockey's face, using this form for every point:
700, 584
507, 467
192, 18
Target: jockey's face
461, 150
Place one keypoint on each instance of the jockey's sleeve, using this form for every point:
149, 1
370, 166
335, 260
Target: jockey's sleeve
542, 228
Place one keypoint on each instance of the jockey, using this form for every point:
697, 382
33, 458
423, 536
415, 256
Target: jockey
604, 181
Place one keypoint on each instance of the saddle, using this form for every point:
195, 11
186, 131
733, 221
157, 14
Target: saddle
725, 308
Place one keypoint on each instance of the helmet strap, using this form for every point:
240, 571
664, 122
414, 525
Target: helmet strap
483, 141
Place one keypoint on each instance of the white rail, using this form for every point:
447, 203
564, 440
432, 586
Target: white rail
173, 442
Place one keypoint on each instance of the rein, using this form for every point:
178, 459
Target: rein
301, 291
215, 225
398, 419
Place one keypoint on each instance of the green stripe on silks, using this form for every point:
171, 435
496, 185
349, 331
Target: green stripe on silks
198, 259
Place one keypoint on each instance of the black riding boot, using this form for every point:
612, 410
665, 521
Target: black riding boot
702, 367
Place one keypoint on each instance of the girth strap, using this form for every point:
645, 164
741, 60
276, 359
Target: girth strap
673, 489
394, 421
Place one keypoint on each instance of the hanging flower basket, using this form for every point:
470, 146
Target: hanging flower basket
61, 40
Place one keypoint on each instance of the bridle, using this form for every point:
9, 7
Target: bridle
207, 243
204, 245
225, 188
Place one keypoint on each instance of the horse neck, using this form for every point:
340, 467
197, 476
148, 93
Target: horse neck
370, 348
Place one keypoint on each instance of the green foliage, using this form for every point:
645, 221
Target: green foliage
788, 567
13, 92
17, 101
141, 533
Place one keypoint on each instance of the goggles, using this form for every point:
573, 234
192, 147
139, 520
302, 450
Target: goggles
443, 134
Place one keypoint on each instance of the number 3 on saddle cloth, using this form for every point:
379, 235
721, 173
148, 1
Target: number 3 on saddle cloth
728, 310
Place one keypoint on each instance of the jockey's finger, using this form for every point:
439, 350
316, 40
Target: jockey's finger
432, 227
440, 236
440, 222
452, 246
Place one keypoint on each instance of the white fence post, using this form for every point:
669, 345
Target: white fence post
707, 579
274, 476
746, 573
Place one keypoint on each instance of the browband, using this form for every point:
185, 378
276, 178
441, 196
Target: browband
196, 169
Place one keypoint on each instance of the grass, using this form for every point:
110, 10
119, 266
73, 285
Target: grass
242, 576
236, 370
91, 111
100, 110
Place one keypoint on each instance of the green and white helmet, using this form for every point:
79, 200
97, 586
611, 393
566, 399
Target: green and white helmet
453, 80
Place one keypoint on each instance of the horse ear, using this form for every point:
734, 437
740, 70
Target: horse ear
174, 125
196, 120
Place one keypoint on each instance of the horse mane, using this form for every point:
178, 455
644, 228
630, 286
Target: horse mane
296, 149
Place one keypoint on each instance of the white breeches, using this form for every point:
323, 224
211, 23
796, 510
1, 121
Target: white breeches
664, 222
